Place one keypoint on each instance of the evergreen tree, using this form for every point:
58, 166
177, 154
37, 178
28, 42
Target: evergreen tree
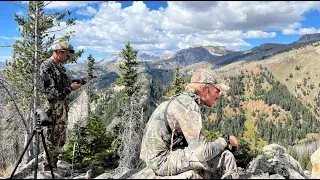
177, 84
129, 73
94, 148
90, 76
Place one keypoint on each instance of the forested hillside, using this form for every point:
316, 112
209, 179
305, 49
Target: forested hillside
275, 100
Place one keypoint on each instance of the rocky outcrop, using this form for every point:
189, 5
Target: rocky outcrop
315, 161
78, 109
309, 37
64, 171
274, 163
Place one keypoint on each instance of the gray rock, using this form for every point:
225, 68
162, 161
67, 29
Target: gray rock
307, 173
275, 160
274, 149
43, 175
260, 176
274, 163
104, 176
276, 176
259, 165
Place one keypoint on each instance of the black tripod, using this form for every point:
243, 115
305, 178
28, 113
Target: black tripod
38, 131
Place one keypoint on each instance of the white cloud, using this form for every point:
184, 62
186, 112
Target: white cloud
88, 11
20, 13
295, 29
183, 24
258, 35
4, 37
294, 25
67, 4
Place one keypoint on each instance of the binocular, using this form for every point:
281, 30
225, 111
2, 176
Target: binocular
42, 117
81, 81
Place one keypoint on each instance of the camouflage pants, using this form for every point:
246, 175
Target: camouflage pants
219, 167
56, 133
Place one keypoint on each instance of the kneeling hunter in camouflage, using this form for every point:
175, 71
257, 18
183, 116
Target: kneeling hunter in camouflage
173, 142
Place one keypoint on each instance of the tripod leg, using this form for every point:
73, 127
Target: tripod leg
21, 156
37, 153
46, 151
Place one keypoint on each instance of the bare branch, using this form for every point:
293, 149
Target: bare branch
47, 4
131, 135
56, 30
2, 81
5, 46
19, 6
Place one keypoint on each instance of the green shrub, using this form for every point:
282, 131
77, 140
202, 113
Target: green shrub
93, 148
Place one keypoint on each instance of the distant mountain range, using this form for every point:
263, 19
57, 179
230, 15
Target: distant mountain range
309, 37
147, 57
265, 50
190, 56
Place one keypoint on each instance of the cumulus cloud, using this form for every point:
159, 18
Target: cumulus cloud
258, 35
88, 11
296, 29
185, 23
67, 4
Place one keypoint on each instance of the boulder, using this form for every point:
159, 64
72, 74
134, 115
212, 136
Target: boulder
148, 173
275, 162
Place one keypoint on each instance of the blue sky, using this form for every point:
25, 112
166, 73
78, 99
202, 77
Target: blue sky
160, 27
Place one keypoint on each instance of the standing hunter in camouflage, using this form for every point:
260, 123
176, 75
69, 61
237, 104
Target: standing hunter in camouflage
56, 86
180, 118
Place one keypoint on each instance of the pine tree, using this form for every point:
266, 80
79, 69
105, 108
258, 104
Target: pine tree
31, 51
176, 84
94, 149
90, 76
129, 73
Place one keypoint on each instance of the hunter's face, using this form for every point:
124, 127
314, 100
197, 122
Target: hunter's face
210, 95
63, 55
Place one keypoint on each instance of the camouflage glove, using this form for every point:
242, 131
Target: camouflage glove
229, 147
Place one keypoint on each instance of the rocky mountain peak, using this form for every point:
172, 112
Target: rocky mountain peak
145, 57
309, 37
218, 50
112, 59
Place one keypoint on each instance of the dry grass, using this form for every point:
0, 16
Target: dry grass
6, 172
283, 64
197, 66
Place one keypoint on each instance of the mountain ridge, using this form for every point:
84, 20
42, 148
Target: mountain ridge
309, 37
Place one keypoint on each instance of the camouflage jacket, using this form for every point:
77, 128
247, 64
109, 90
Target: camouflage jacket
184, 117
54, 81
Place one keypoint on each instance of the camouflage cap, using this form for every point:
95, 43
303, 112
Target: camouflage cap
207, 76
64, 45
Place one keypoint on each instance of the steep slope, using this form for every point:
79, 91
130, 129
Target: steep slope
218, 50
147, 57
258, 53
297, 73
186, 57
112, 59
309, 37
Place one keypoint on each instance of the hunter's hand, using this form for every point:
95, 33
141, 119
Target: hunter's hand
234, 142
75, 86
